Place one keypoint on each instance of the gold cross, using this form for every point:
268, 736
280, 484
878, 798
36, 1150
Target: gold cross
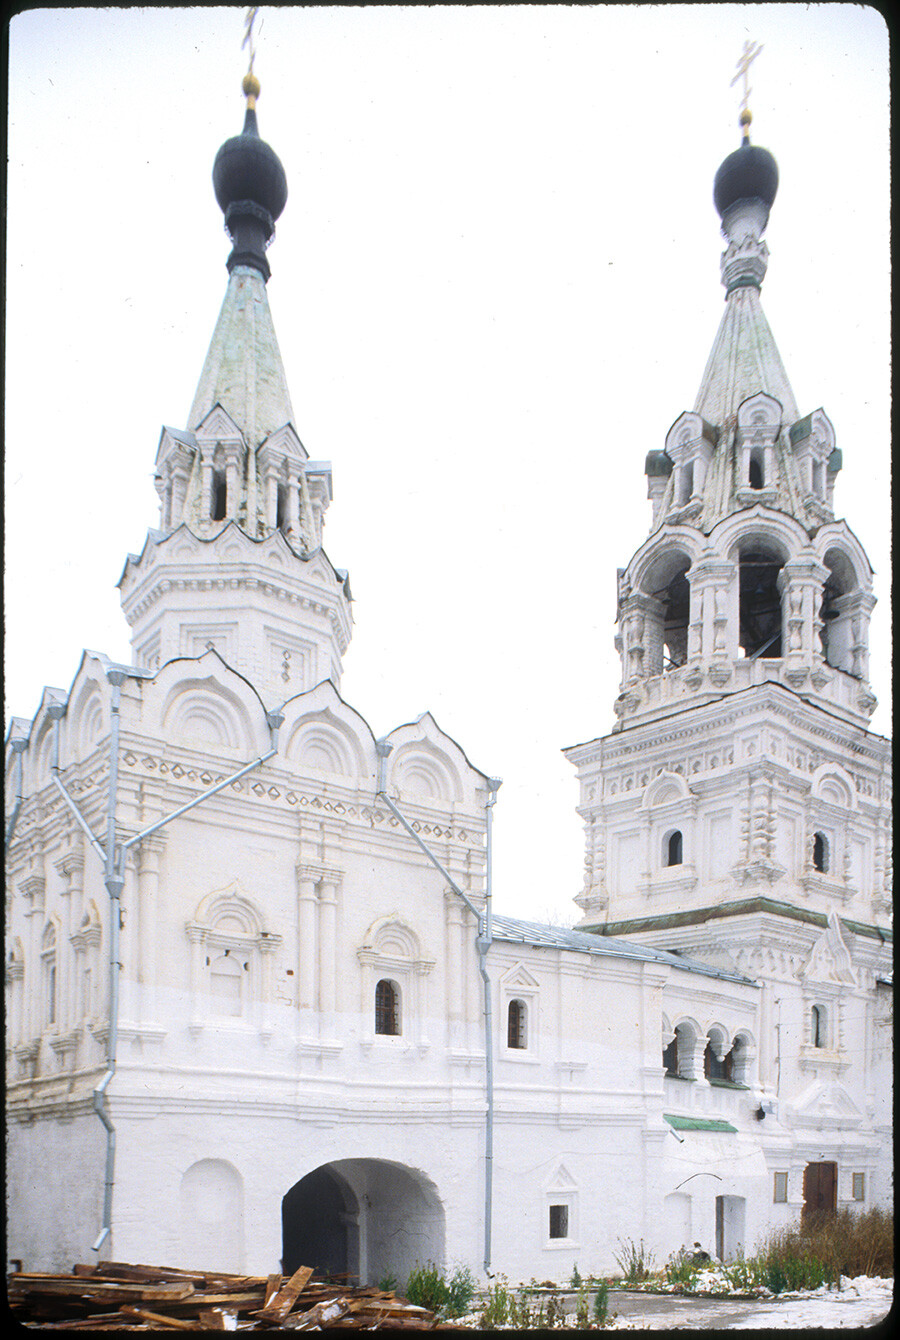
750, 53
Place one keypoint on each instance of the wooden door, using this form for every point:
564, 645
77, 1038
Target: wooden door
819, 1188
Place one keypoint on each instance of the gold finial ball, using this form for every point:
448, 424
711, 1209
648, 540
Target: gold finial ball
250, 85
745, 117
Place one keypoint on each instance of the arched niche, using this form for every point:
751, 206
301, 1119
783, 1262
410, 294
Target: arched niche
205, 714
323, 744
211, 1198
419, 771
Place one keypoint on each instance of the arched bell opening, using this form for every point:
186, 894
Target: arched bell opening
760, 609
667, 583
835, 615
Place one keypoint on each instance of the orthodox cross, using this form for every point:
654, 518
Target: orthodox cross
249, 20
748, 56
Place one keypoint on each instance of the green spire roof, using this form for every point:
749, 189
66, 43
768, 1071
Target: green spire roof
243, 371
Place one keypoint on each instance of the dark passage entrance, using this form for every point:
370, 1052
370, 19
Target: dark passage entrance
316, 1216
819, 1189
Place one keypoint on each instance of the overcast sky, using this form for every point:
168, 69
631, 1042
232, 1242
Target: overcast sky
495, 286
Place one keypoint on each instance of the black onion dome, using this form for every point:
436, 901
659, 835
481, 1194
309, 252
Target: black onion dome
750, 173
246, 168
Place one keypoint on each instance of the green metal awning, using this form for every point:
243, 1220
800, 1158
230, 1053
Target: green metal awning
698, 1123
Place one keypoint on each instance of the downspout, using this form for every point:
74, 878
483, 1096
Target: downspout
114, 865
483, 942
113, 858
18, 747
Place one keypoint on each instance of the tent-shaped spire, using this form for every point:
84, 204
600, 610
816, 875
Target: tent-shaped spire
243, 371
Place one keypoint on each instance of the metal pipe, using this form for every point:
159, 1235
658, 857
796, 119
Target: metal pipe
213, 790
18, 748
483, 941
114, 863
57, 711
483, 944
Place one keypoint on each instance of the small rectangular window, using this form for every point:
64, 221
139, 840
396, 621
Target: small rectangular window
781, 1188
559, 1221
859, 1186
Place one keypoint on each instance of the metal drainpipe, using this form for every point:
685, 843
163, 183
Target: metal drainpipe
483, 942
114, 864
113, 859
18, 747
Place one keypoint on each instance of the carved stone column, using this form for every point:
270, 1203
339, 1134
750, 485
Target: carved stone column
801, 582
307, 943
328, 949
71, 867
148, 855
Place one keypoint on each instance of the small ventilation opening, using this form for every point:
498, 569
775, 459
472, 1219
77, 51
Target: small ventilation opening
820, 853
281, 507
218, 496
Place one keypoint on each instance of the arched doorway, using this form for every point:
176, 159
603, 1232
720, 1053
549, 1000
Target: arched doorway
367, 1218
318, 1221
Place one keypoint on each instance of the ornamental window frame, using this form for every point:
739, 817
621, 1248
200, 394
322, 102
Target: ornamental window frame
228, 926
392, 952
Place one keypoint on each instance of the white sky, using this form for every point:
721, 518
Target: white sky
495, 287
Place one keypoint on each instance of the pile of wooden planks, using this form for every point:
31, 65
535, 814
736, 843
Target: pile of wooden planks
114, 1296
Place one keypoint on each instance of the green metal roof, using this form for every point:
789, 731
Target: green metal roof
699, 1123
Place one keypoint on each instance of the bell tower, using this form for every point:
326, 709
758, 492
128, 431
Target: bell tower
237, 562
740, 780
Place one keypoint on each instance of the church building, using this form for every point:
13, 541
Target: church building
260, 1009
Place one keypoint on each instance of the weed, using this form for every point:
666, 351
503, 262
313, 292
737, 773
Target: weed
387, 1283
601, 1303
575, 1281
681, 1272
634, 1261
427, 1287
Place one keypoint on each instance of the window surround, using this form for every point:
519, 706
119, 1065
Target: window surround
392, 952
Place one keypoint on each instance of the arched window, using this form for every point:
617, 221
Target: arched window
820, 852
757, 469
516, 1033
674, 848
387, 1008
226, 975
713, 1068
817, 1026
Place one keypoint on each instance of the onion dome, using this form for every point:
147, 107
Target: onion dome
251, 188
750, 173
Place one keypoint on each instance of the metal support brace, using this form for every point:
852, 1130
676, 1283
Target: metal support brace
483, 942
112, 855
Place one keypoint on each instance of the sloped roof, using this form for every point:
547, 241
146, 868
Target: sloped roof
513, 931
243, 371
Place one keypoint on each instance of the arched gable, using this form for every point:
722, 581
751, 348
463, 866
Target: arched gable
322, 733
229, 914
758, 526
429, 766
202, 703
833, 784
668, 786
661, 556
